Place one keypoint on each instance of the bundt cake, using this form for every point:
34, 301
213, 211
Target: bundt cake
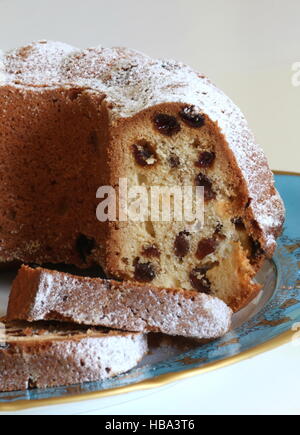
73, 120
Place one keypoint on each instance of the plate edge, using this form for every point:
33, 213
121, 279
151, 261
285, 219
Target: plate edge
156, 382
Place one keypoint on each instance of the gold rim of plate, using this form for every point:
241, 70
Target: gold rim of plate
161, 380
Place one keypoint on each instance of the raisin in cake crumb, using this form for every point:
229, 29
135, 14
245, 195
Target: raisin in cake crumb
192, 117
167, 124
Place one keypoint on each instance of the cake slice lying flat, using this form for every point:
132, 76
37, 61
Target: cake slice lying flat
42, 354
41, 294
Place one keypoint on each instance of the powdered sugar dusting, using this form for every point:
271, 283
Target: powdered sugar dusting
131, 82
37, 64
44, 293
3, 74
50, 356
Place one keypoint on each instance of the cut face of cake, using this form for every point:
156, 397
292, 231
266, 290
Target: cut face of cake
187, 149
74, 120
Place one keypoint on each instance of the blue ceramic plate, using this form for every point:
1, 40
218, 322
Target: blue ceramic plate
269, 321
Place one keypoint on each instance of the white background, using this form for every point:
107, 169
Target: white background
248, 48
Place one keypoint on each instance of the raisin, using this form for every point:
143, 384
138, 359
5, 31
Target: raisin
174, 161
203, 181
219, 228
151, 251
144, 272
206, 247
256, 249
206, 160
255, 225
192, 117
84, 246
166, 124
199, 280
218, 232
144, 154
182, 244
239, 224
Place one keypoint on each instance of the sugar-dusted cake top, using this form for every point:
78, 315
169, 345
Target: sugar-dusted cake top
131, 82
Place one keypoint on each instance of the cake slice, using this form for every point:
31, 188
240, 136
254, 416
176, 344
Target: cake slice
41, 355
41, 294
